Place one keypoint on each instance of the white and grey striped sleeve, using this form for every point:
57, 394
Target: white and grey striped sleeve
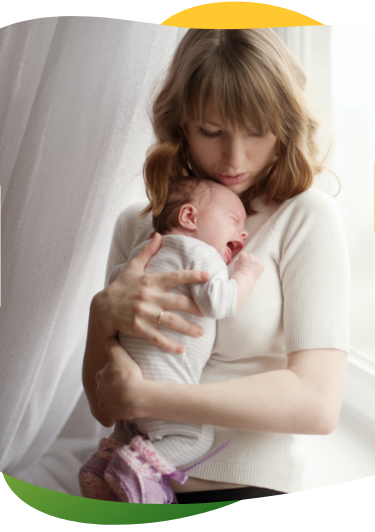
218, 297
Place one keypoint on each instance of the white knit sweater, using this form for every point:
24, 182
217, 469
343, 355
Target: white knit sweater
301, 301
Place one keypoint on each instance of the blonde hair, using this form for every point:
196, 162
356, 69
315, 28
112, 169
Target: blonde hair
251, 76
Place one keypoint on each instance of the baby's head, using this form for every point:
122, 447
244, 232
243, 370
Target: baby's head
205, 210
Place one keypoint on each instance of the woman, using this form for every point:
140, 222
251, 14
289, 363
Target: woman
232, 108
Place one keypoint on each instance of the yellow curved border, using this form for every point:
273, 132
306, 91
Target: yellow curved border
231, 15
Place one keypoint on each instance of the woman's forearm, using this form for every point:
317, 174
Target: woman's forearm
95, 359
242, 404
302, 399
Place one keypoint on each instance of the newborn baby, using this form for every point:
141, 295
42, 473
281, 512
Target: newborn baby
202, 224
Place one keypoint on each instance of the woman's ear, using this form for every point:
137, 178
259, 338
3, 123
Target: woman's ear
187, 217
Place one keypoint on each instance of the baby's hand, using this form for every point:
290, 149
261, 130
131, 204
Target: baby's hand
247, 263
247, 269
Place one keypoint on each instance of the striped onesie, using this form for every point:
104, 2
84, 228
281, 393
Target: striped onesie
180, 443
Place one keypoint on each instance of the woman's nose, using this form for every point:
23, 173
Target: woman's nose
234, 152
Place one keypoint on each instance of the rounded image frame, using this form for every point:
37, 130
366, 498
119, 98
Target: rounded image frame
223, 15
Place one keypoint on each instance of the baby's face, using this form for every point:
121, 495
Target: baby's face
221, 222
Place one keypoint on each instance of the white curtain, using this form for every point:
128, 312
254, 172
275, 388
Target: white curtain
74, 130
310, 45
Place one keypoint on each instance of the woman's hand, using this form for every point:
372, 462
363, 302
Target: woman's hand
133, 303
119, 384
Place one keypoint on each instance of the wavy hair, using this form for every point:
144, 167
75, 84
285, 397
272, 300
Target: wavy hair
251, 76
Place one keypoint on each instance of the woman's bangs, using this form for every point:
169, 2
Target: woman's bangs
194, 102
237, 103
235, 99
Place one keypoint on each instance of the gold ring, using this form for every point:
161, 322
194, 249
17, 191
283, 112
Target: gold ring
160, 317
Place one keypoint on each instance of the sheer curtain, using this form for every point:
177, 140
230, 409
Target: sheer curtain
310, 45
74, 130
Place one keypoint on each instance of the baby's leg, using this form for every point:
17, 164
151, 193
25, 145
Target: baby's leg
177, 443
137, 474
91, 474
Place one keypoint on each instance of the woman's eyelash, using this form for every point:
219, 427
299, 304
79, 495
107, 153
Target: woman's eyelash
211, 134
254, 134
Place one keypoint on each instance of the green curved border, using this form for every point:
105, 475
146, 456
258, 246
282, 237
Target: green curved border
82, 510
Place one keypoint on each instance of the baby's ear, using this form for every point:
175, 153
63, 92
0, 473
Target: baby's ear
187, 217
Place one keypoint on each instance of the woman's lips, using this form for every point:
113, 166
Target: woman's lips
231, 179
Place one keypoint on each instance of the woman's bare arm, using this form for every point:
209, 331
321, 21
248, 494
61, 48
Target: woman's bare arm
132, 305
95, 359
305, 398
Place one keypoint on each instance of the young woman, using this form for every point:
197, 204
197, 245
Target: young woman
232, 108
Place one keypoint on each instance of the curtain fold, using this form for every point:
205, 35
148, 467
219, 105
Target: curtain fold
23, 52
73, 135
311, 46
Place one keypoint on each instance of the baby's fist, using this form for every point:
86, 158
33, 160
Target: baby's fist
249, 263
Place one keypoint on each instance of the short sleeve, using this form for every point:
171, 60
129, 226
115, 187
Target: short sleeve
314, 273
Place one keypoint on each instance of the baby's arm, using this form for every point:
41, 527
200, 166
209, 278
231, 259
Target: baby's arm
221, 297
248, 269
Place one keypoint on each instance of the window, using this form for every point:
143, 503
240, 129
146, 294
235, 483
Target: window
353, 114
341, 83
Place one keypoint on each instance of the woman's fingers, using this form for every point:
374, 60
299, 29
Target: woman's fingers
144, 323
165, 280
177, 323
157, 338
140, 261
133, 302
146, 329
172, 301
169, 280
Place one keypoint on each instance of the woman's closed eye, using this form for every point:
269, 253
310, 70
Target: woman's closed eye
210, 134
219, 132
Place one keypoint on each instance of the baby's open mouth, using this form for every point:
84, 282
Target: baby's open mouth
233, 248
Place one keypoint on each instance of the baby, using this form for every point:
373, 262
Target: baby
202, 225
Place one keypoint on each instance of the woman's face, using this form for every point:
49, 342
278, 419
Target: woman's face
230, 155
